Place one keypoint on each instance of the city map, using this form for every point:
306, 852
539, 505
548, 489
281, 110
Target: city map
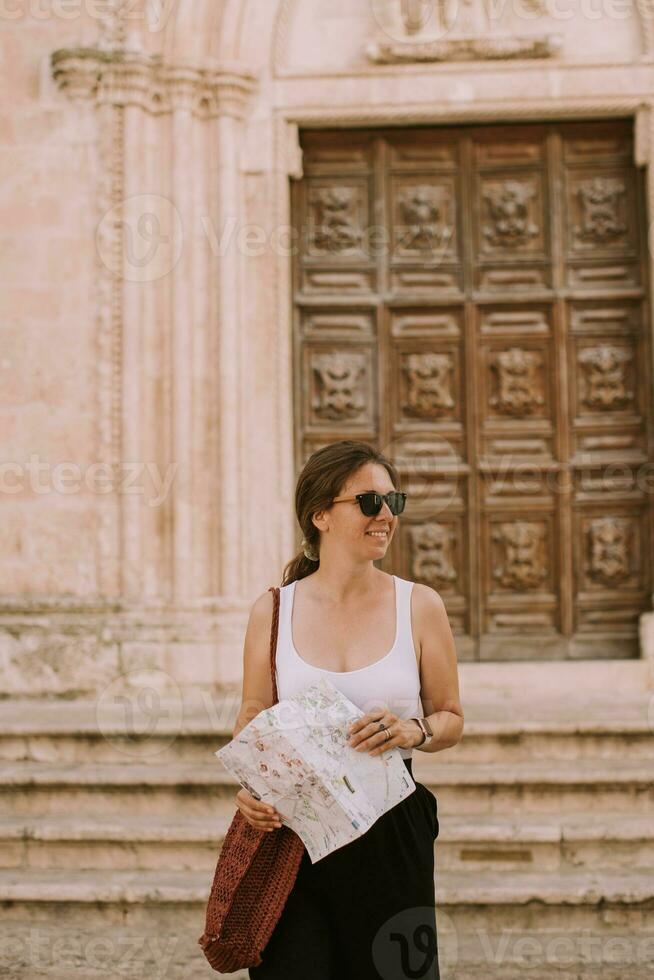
295, 757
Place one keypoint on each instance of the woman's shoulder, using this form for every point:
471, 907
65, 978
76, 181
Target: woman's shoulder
424, 601
419, 589
261, 612
425, 595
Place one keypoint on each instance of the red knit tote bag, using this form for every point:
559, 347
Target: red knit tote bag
255, 873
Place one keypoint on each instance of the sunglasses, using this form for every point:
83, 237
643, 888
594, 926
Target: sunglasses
371, 503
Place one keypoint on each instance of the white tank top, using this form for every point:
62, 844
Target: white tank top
393, 681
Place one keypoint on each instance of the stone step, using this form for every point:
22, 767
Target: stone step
118, 843
138, 887
607, 840
146, 924
163, 951
498, 743
36, 788
499, 730
503, 730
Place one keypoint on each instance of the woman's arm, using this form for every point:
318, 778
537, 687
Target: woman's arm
439, 678
257, 691
257, 695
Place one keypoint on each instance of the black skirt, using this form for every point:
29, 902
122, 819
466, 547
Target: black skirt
367, 911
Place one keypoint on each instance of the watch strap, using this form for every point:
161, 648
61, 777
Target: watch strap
424, 729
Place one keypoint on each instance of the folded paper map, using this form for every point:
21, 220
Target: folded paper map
295, 757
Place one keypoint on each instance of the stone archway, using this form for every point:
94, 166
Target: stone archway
180, 344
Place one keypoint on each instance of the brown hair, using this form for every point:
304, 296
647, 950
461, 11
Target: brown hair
322, 478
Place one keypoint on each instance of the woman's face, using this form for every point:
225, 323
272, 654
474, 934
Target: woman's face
369, 537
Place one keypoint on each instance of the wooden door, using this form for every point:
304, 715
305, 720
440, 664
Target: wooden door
473, 301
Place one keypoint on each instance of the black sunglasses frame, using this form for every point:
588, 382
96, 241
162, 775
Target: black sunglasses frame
372, 502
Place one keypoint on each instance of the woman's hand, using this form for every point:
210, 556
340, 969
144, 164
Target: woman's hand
366, 736
258, 814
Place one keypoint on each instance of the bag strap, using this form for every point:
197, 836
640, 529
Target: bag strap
273, 639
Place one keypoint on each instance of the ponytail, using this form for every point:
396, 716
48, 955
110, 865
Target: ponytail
299, 567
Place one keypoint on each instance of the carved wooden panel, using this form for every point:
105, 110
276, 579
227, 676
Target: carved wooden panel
602, 236
473, 301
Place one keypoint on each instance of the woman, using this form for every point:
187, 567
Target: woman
366, 910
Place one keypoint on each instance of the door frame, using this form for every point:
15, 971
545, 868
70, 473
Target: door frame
290, 119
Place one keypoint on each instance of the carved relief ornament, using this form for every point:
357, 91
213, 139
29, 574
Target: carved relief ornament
609, 548
600, 199
522, 563
438, 30
605, 377
123, 77
519, 388
335, 228
432, 558
339, 394
429, 387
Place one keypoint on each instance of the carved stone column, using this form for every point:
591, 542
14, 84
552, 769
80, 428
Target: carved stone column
183, 326
229, 277
170, 370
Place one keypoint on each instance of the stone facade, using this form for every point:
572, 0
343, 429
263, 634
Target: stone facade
149, 150
147, 155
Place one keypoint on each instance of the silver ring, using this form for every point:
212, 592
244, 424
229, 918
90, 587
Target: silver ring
383, 728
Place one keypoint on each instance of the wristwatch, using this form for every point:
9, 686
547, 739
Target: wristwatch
427, 732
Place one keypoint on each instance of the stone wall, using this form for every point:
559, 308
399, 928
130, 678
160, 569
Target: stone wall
48, 156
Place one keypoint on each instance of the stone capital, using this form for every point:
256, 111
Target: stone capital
122, 77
